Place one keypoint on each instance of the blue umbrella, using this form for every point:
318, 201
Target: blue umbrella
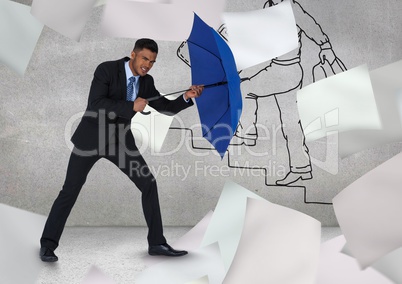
213, 65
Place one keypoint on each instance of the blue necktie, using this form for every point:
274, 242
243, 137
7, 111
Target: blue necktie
130, 89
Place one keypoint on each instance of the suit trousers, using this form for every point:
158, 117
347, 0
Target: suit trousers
129, 162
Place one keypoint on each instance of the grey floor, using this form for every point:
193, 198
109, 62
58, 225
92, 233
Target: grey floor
117, 251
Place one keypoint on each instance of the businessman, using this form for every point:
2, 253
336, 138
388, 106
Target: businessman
119, 90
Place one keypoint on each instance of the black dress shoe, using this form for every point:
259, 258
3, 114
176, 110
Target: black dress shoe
47, 255
166, 250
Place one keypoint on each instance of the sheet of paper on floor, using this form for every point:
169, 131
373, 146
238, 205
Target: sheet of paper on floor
336, 267
277, 245
96, 276
227, 221
202, 280
19, 245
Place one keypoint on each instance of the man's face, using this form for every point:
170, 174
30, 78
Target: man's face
142, 61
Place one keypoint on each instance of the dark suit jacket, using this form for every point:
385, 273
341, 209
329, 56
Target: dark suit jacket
108, 112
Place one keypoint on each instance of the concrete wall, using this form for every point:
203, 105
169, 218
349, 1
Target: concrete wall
36, 111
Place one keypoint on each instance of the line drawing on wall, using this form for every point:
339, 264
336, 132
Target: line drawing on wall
261, 84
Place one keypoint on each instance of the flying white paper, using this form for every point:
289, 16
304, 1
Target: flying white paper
335, 267
150, 131
19, 245
19, 33
103, 2
342, 102
67, 17
398, 99
172, 22
258, 36
368, 211
278, 245
387, 86
390, 265
227, 221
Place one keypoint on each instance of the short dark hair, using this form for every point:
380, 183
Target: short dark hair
146, 43
271, 3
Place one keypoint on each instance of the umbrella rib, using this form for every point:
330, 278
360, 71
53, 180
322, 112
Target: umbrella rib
204, 49
209, 130
220, 60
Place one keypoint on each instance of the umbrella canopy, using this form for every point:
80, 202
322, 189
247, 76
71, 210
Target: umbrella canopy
219, 107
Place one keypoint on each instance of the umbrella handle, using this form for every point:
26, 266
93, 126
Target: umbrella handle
182, 91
